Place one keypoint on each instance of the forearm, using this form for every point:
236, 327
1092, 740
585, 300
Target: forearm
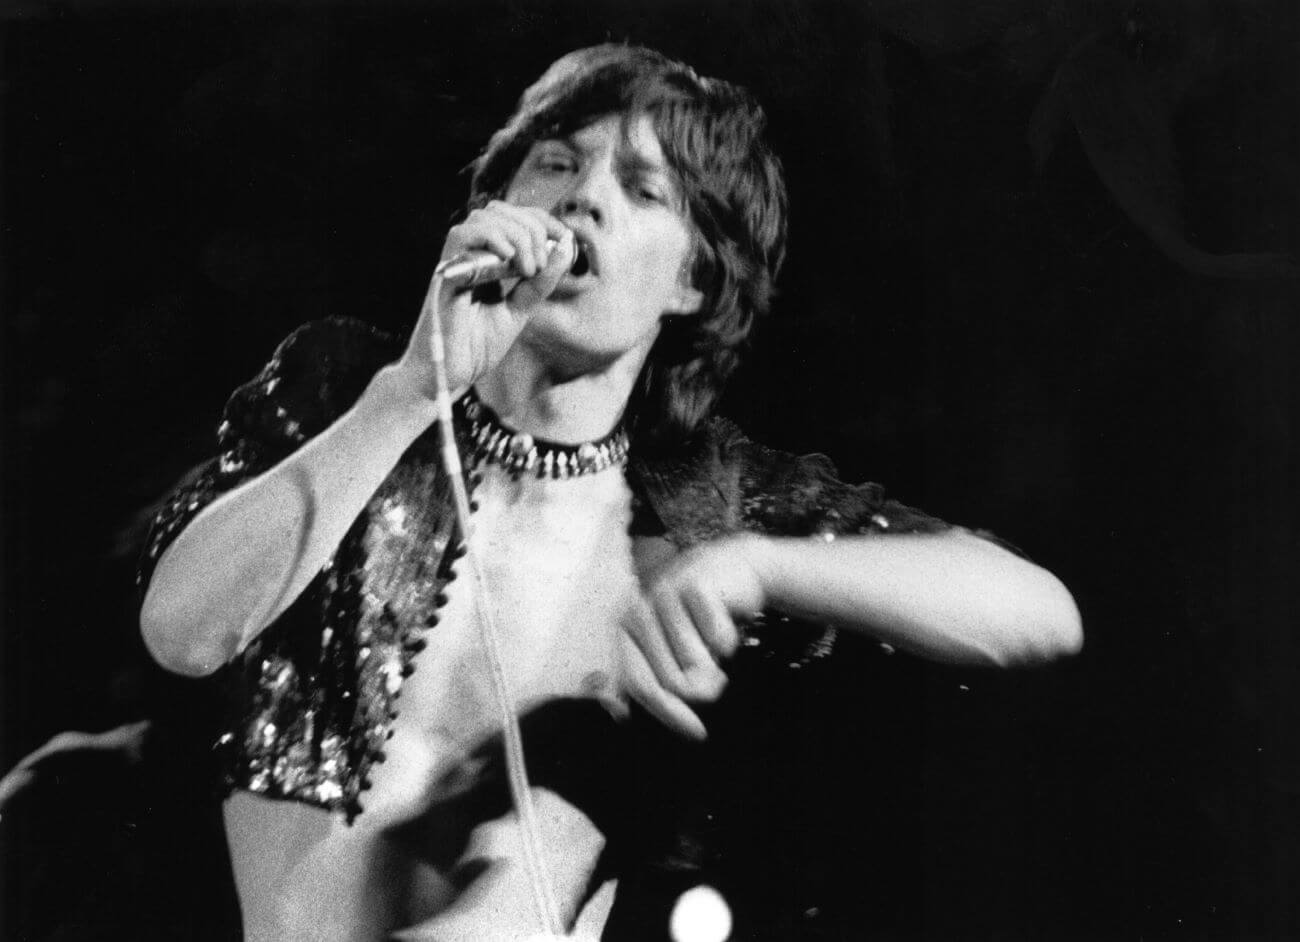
951, 597
246, 557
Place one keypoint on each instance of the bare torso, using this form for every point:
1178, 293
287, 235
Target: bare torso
557, 559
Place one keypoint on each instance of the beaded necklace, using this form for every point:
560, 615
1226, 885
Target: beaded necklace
520, 453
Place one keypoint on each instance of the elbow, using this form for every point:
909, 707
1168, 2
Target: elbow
1069, 634
1060, 625
1044, 644
1046, 630
1030, 617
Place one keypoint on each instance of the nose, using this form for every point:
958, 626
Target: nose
581, 204
589, 195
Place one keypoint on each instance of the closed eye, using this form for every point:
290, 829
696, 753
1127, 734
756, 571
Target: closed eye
553, 157
555, 164
651, 190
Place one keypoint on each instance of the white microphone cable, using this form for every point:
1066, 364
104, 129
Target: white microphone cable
542, 888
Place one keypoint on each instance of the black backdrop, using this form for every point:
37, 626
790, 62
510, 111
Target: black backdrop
1007, 298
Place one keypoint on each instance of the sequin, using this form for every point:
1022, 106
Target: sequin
521, 445
824, 645
392, 672
395, 517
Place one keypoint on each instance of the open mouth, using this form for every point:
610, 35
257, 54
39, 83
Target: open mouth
581, 262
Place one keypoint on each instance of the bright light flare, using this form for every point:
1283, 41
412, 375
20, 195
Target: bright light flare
700, 915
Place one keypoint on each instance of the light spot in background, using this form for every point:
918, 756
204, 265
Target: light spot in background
700, 915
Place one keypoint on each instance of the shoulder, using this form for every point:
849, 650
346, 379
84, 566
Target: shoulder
314, 376
731, 481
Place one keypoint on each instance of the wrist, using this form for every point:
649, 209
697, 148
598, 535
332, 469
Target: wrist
397, 395
761, 554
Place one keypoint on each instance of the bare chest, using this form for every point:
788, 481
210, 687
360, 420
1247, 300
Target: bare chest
557, 572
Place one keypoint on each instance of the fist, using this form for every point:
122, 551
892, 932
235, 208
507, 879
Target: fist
677, 634
476, 335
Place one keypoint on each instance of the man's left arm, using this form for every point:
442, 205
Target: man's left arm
952, 596
949, 596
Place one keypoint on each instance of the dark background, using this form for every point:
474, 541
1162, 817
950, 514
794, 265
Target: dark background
1020, 292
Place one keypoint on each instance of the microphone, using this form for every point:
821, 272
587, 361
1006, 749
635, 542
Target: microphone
481, 267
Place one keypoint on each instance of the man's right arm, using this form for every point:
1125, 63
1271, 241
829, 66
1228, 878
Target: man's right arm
244, 559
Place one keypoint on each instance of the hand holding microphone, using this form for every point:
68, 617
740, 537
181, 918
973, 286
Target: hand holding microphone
480, 268
525, 248
503, 241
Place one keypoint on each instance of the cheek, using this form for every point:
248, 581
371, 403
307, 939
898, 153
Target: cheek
666, 260
521, 196
530, 192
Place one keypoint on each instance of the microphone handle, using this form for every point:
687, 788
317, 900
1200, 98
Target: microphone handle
479, 267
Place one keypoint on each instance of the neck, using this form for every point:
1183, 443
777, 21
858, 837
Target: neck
532, 396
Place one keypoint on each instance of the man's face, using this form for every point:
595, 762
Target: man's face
618, 196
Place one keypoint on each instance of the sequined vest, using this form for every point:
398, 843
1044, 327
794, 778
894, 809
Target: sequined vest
314, 697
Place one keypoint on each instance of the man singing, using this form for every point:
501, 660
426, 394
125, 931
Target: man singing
629, 540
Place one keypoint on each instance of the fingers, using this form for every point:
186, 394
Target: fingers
715, 624
702, 677
642, 626
555, 230
644, 688
672, 647
528, 233
545, 281
502, 234
518, 234
678, 631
